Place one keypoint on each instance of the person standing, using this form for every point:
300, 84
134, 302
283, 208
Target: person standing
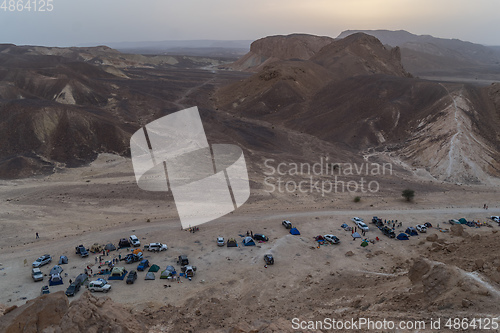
37, 236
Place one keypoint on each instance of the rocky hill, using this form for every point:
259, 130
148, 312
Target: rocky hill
425, 54
54, 313
356, 92
267, 50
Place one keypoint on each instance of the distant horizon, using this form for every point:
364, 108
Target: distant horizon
108, 43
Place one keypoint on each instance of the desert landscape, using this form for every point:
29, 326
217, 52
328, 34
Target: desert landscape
360, 100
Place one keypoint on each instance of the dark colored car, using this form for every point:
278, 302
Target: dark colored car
131, 277
143, 265
388, 232
260, 237
72, 289
378, 222
123, 243
183, 260
411, 231
82, 251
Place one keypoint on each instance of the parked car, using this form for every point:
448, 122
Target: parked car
356, 219
72, 289
495, 218
411, 231
361, 225
36, 274
43, 260
143, 265
131, 258
183, 260
123, 243
188, 270
421, 228
269, 259
378, 222
332, 239
134, 241
388, 232
220, 241
260, 237
155, 247
287, 224
99, 285
82, 251
131, 277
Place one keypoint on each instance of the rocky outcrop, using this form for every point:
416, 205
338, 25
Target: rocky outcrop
53, 313
268, 50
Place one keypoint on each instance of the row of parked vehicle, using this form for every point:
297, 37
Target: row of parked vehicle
411, 231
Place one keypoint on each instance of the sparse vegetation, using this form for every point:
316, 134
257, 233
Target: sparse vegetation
408, 194
357, 199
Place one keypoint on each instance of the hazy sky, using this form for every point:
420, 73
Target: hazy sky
99, 21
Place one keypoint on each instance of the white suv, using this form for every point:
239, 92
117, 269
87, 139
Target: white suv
156, 247
134, 241
43, 260
99, 285
362, 225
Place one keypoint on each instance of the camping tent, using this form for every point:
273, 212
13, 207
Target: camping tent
402, 236
355, 235
294, 231
165, 274
118, 273
110, 247
55, 279
63, 260
154, 268
248, 241
81, 279
462, 221
364, 243
344, 226
231, 242
96, 248
137, 251
150, 276
169, 271
411, 231
56, 270
428, 224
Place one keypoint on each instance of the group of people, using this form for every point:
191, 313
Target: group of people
394, 223
485, 206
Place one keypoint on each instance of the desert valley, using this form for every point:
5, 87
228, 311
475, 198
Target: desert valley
376, 112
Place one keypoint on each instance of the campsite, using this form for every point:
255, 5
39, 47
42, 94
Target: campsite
160, 267
345, 271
